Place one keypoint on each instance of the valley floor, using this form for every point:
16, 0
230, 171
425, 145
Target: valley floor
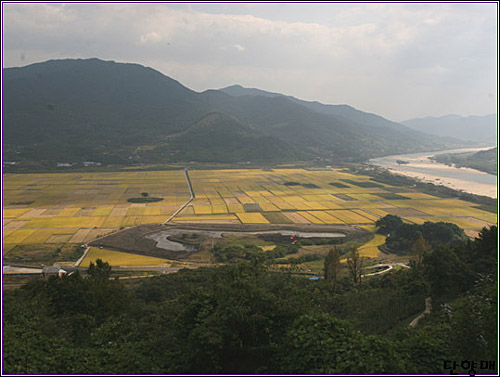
47, 217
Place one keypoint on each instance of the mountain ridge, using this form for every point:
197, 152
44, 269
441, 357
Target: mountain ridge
344, 110
476, 128
122, 113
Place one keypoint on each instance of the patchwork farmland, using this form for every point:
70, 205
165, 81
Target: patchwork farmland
53, 210
78, 208
299, 196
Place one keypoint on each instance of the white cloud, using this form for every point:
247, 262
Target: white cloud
151, 37
371, 56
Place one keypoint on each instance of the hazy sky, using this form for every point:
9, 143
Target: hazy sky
397, 60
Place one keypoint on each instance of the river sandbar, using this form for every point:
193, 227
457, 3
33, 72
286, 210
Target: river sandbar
464, 179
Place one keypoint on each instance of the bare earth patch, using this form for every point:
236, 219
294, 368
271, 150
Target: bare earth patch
133, 240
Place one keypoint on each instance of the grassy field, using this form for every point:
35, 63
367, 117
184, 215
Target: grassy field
76, 208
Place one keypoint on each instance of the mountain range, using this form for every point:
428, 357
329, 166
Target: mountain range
118, 113
475, 128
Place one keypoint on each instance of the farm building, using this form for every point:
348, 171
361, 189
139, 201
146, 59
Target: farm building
56, 271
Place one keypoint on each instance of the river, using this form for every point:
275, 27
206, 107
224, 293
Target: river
164, 243
421, 167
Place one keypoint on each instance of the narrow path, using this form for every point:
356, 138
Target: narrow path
389, 266
21, 271
192, 196
188, 201
77, 263
368, 211
132, 277
428, 308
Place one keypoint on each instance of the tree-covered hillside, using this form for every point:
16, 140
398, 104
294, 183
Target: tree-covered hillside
245, 319
71, 111
486, 160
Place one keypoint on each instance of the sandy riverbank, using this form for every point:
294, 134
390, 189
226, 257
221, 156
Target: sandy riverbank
463, 179
454, 183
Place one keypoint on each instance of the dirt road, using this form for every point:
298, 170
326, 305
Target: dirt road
428, 308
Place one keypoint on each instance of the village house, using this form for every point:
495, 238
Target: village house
56, 271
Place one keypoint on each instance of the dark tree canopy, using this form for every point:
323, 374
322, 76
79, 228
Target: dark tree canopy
244, 318
388, 223
402, 236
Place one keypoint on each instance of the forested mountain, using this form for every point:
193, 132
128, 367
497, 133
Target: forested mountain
474, 128
94, 110
486, 160
344, 111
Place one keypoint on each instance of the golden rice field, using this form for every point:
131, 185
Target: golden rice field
252, 194
370, 249
79, 207
116, 258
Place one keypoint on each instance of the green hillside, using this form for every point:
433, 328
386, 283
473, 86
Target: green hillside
486, 161
92, 110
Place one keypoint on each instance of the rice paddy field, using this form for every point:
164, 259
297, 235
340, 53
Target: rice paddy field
298, 196
76, 208
115, 258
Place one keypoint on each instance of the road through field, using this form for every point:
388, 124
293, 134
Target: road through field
389, 266
191, 192
77, 263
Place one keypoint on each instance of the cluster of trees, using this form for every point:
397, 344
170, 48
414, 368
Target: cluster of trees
320, 241
145, 198
306, 185
279, 239
237, 253
244, 319
298, 260
401, 237
483, 160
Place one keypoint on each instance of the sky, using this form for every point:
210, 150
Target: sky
400, 61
